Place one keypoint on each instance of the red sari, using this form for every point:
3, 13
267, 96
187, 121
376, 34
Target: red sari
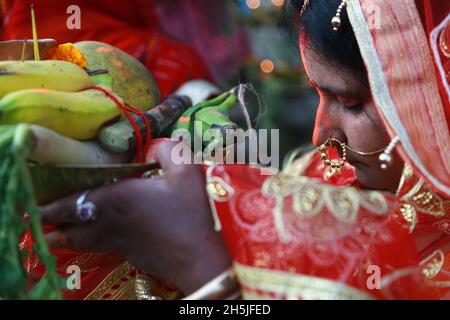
298, 235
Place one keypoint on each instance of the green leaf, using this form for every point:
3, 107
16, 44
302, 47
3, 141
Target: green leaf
11, 278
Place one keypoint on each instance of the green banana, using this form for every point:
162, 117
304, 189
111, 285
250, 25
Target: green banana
211, 114
216, 117
186, 120
46, 74
78, 115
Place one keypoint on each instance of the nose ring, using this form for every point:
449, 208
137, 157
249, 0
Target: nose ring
335, 166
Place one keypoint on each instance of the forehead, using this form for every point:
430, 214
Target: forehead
323, 72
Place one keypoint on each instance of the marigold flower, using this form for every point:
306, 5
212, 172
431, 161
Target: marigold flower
68, 52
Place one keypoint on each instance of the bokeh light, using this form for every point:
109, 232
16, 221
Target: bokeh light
278, 3
267, 66
253, 4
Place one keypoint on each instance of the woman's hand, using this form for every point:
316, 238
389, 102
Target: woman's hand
162, 226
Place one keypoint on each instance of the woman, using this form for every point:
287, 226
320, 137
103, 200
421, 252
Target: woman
371, 221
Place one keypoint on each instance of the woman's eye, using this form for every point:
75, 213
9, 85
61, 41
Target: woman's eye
355, 108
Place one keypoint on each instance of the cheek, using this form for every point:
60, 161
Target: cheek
364, 130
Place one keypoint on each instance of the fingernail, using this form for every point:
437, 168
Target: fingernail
62, 240
56, 239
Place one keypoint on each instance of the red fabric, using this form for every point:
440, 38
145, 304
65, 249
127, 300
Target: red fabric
432, 14
321, 247
132, 26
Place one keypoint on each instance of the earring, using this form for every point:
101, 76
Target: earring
336, 22
386, 158
335, 165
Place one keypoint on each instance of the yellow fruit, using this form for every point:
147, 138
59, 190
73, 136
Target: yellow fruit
128, 78
78, 115
47, 74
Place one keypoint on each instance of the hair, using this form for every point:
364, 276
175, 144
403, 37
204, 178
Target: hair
341, 47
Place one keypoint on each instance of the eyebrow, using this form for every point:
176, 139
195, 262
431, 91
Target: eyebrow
336, 91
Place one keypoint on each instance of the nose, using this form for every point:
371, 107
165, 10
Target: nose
327, 125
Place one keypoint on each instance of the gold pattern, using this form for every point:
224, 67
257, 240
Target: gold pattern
442, 42
217, 190
79, 260
297, 167
425, 200
262, 259
406, 174
429, 202
409, 214
279, 284
143, 289
121, 272
432, 265
310, 197
306, 202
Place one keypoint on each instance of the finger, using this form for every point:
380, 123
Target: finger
89, 237
173, 157
61, 211
65, 210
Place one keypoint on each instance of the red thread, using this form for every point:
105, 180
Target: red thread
141, 150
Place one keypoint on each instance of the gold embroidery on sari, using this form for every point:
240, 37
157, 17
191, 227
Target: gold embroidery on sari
406, 174
299, 166
79, 260
280, 284
148, 288
432, 265
262, 259
418, 199
217, 190
119, 277
445, 49
310, 197
410, 215
425, 200
429, 202
143, 288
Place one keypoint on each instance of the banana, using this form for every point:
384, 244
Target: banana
77, 115
211, 114
215, 117
46, 74
188, 117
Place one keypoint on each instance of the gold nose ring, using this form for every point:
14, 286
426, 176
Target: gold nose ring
335, 166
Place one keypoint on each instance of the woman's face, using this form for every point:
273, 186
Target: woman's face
347, 113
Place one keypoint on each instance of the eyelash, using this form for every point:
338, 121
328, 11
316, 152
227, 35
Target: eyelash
355, 109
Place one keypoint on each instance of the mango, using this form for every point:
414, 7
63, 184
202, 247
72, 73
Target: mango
127, 78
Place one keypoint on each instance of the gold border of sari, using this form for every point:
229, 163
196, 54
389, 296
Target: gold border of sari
293, 286
118, 277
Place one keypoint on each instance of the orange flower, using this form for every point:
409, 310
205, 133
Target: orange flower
68, 52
